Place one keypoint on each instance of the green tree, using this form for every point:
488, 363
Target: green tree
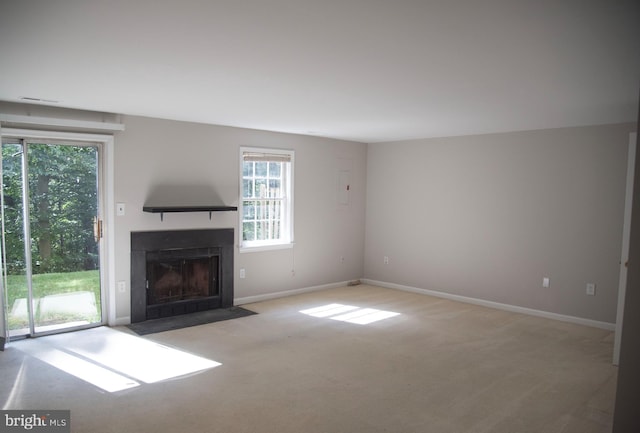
13, 210
62, 205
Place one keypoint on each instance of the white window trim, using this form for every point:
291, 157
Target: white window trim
288, 241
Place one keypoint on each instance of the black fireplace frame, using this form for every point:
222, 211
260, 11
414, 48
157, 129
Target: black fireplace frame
221, 240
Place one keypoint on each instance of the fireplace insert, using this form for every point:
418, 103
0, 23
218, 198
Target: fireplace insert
181, 281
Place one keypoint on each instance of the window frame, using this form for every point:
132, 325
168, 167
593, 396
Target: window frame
286, 239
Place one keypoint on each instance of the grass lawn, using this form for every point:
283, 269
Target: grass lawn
48, 285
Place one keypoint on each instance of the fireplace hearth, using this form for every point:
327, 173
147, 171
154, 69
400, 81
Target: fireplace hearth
180, 271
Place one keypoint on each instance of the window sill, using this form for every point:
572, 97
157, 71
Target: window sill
261, 248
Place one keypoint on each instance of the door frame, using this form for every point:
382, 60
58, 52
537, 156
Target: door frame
107, 265
626, 235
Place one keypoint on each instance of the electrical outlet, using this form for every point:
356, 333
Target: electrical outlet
385, 260
243, 273
545, 282
122, 286
591, 289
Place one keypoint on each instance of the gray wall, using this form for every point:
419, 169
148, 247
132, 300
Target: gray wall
489, 216
158, 157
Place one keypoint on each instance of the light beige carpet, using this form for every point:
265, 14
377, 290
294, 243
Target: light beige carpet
346, 365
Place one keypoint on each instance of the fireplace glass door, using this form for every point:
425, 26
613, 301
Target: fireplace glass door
181, 281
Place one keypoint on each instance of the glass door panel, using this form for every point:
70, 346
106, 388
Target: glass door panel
57, 273
15, 263
63, 203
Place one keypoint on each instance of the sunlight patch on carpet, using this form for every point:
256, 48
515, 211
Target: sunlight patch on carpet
114, 360
90, 372
349, 313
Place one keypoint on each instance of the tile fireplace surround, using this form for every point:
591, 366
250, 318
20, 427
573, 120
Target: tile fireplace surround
217, 243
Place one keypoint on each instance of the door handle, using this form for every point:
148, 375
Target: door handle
97, 229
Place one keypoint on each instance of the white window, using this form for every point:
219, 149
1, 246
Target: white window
266, 198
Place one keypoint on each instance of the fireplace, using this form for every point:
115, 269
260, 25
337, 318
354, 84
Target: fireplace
179, 272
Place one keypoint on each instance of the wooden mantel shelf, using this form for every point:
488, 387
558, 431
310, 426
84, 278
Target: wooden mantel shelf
165, 209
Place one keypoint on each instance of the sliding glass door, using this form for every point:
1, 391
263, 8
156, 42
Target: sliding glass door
51, 235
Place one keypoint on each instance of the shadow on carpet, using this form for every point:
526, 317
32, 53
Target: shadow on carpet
187, 320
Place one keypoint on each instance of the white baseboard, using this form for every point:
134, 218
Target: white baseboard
497, 305
275, 295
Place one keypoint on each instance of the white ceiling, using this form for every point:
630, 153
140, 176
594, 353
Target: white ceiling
364, 70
